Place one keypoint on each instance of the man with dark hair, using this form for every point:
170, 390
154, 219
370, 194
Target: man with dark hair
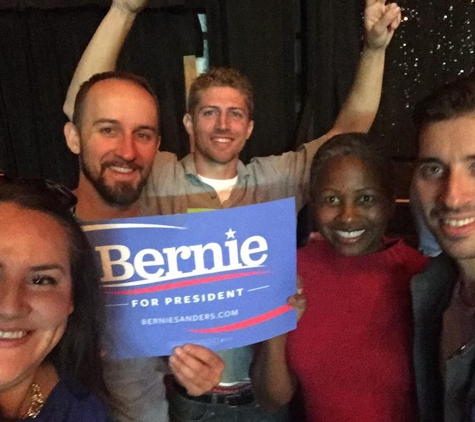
116, 136
219, 122
444, 295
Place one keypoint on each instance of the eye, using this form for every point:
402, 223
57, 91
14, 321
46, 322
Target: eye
144, 136
43, 280
107, 131
431, 170
237, 114
209, 112
366, 199
331, 199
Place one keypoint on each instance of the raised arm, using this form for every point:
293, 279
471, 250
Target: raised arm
103, 50
360, 107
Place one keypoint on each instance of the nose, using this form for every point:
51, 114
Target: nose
348, 213
13, 301
458, 190
222, 121
126, 147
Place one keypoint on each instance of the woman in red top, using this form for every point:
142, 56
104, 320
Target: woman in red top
351, 352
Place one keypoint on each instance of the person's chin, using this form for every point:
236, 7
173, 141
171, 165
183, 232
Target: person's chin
349, 249
458, 248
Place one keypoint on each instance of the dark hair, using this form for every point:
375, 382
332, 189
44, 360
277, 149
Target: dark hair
77, 354
222, 77
353, 144
116, 74
449, 101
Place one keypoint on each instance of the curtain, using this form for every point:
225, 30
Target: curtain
332, 39
39, 50
258, 38
435, 44
52, 4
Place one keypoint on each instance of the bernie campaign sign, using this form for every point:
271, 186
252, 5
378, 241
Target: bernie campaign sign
220, 279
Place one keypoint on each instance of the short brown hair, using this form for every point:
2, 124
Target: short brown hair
98, 77
224, 77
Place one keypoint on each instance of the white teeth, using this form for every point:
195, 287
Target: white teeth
121, 169
12, 335
459, 223
351, 234
222, 140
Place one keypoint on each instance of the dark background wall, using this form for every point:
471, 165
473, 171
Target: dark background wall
41, 42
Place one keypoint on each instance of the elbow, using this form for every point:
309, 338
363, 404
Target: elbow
272, 402
360, 123
68, 109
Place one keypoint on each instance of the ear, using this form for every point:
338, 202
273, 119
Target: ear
159, 141
71, 307
250, 128
71, 134
188, 122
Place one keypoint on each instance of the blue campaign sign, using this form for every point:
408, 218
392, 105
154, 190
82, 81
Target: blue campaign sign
220, 279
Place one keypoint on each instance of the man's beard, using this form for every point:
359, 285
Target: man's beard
122, 195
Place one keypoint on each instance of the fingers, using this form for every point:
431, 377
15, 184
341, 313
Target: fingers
198, 369
371, 2
299, 285
395, 23
131, 6
299, 302
390, 17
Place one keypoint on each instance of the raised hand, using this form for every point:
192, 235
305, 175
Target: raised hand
381, 20
133, 6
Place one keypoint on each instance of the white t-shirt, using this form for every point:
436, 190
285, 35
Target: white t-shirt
223, 187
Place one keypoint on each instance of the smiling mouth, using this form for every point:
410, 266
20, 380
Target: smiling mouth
123, 170
222, 140
452, 222
353, 234
13, 335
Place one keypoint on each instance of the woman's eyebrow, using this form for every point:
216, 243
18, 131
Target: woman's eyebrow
46, 267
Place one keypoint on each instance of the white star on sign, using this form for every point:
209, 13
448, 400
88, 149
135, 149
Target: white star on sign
230, 233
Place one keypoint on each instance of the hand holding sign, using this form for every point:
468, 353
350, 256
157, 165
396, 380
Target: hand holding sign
196, 368
298, 300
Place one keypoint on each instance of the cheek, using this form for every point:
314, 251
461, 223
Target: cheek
380, 217
54, 311
243, 129
324, 216
93, 154
426, 190
147, 154
203, 126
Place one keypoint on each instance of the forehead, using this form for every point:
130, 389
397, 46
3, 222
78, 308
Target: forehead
448, 140
30, 237
120, 100
223, 97
349, 172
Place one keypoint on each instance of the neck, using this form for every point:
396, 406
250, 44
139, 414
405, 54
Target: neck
467, 274
15, 400
213, 170
91, 206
